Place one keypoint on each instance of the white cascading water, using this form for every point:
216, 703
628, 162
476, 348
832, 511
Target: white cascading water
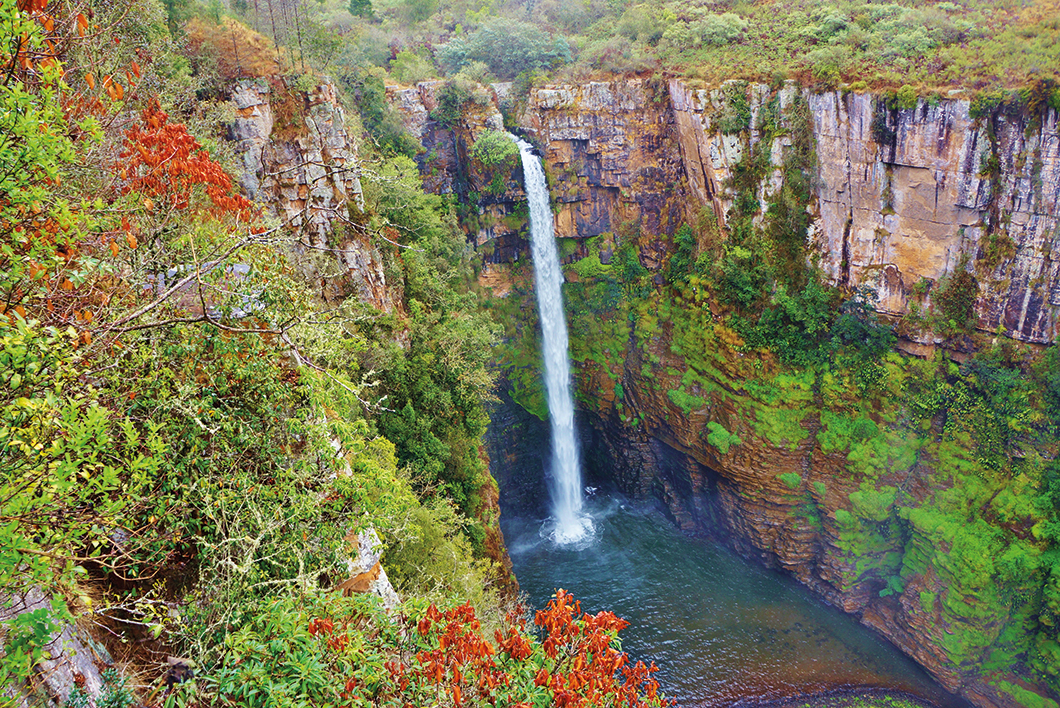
571, 524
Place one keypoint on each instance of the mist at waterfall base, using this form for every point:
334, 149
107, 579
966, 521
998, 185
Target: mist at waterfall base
721, 629
568, 524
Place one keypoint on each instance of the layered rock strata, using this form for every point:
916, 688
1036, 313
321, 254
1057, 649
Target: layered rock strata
309, 179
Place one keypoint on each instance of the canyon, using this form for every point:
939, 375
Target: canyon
903, 200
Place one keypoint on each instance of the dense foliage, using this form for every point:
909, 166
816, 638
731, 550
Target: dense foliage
353, 654
191, 436
926, 48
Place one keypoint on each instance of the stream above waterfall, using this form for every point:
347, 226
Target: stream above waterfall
721, 629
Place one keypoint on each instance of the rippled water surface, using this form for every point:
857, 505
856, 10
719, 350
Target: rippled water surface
720, 628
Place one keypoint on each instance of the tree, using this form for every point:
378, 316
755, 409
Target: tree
361, 8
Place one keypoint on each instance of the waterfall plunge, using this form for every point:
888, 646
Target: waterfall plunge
571, 524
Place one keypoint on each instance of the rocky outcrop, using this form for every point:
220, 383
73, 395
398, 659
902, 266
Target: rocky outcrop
907, 197
72, 657
495, 224
780, 500
307, 174
911, 195
611, 149
365, 568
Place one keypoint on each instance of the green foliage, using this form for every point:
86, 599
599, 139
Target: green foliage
408, 67
325, 651
451, 100
361, 8
721, 438
736, 114
686, 401
791, 480
954, 302
508, 47
494, 148
906, 97
437, 386
377, 117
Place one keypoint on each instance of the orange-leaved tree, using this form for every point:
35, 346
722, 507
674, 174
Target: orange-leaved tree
440, 657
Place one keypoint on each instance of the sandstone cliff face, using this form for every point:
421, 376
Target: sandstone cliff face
611, 150
913, 199
311, 182
910, 196
904, 197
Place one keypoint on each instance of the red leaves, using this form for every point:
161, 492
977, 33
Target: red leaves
163, 162
319, 626
443, 658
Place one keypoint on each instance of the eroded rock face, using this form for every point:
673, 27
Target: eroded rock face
738, 496
447, 167
310, 180
904, 197
910, 196
611, 149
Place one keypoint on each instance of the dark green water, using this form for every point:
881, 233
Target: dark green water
720, 628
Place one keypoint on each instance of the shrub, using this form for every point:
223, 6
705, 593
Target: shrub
720, 29
352, 653
736, 114
508, 47
451, 100
377, 117
410, 68
954, 302
680, 36
721, 438
907, 97
641, 23
495, 149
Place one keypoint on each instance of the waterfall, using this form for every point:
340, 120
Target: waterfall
570, 523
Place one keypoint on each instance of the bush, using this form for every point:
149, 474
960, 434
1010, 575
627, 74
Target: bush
508, 47
907, 97
377, 117
495, 149
451, 100
954, 302
641, 23
720, 29
680, 36
410, 68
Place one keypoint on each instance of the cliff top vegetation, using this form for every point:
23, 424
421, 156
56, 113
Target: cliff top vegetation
937, 47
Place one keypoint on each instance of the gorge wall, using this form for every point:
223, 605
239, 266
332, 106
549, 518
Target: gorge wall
803, 469
305, 170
